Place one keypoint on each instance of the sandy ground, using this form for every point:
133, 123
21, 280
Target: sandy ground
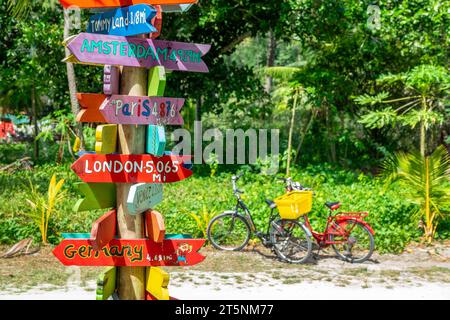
300, 291
419, 273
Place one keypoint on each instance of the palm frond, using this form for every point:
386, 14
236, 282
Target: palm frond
282, 73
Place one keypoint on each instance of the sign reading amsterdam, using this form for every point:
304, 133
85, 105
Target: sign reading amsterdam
88, 48
130, 253
118, 3
127, 21
117, 168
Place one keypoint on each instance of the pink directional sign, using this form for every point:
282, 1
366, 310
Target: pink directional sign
138, 52
142, 110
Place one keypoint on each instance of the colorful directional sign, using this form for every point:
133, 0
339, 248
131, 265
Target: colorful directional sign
104, 230
117, 109
156, 141
157, 282
142, 110
88, 48
106, 139
116, 168
89, 104
144, 196
111, 80
96, 196
106, 283
118, 3
130, 253
125, 21
155, 226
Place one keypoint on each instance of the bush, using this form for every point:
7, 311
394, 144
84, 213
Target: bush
389, 215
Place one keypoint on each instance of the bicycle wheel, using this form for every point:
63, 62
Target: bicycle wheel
291, 241
229, 232
355, 242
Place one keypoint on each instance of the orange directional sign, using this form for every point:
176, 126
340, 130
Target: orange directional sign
89, 104
118, 3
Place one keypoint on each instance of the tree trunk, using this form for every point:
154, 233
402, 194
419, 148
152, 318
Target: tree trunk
72, 82
198, 109
291, 131
423, 131
270, 62
35, 122
302, 139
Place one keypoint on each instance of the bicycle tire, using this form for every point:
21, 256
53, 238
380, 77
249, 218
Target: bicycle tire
279, 246
347, 257
221, 218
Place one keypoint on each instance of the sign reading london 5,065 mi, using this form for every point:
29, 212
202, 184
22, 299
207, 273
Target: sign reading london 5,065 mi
130, 253
126, 21
88, 48
117, 168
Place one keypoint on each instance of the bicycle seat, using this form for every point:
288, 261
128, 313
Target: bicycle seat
333, 205
271, 204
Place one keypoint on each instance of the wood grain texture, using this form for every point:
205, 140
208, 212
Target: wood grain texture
106, 139
157, 282
103, 230
131, 141
156, 229
96, 196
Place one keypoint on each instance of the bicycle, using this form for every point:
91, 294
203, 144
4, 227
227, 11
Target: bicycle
232, 230
350, 236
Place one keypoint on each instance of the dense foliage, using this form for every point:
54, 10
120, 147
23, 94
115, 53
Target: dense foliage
343, 56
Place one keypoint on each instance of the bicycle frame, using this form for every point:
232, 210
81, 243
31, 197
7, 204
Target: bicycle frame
333, 228
248, 216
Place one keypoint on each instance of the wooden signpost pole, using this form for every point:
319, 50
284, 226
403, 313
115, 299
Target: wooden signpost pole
131, 140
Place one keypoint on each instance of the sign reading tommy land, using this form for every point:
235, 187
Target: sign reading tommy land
88, 48
119, 3
127, 21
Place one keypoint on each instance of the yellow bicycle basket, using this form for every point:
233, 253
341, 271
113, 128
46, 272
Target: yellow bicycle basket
294, 204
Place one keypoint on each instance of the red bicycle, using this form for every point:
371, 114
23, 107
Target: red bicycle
350, 236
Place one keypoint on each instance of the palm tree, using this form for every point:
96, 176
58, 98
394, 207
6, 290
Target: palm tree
424, 88
424, 181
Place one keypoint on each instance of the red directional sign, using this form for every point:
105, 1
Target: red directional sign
130, 253
117, 168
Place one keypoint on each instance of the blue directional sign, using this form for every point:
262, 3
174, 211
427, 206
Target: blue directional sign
126, 21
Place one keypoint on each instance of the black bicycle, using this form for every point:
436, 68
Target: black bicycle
232, 230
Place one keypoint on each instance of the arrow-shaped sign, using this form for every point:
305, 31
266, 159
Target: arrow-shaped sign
125, 21
118, 3
111, 80
96, 196
135, 110
103, 230
144, 196
90, 104
117, 168
130, 253
142, 110
88, 48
